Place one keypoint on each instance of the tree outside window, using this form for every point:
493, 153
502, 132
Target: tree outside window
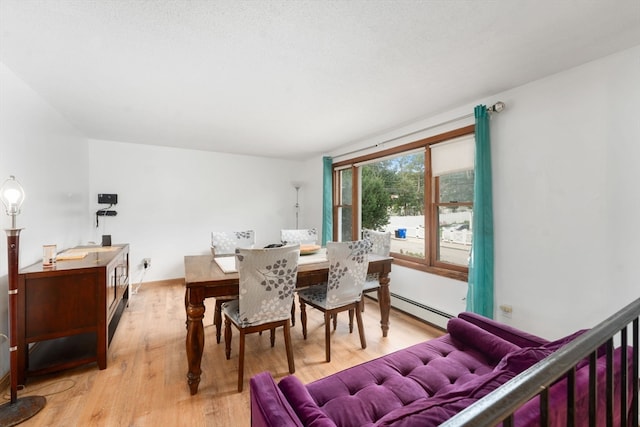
431, 225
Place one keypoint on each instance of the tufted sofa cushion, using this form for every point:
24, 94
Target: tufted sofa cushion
524, 358
365, 393
434, 411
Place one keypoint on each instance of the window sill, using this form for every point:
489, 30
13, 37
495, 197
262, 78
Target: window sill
451, 274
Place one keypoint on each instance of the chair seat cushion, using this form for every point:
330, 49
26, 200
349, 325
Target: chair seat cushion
226, 298
232, 310
371, 283
317, 295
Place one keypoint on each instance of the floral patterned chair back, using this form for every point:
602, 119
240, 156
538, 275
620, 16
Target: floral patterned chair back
348, 264
267, 282
380, 241
303, 236
226, 242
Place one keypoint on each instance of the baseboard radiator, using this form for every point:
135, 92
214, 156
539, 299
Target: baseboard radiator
500, 405
423, 312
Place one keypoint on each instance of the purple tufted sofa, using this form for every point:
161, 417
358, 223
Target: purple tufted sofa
422, 385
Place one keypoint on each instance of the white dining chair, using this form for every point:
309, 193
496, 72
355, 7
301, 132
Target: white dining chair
348, 265
304, 236
225, 243
380, 245
267, 282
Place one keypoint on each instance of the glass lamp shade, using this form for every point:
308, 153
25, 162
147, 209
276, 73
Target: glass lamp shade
12, 196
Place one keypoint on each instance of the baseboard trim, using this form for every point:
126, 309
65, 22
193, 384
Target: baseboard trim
417, 310
135, 287
421, 311
179, 280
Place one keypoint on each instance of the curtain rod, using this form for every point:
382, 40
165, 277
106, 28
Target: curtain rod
497, 107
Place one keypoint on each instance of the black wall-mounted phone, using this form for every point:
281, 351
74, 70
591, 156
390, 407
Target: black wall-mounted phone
107, 199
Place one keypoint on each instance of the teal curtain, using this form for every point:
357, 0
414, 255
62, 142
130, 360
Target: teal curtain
327, 199
480, 290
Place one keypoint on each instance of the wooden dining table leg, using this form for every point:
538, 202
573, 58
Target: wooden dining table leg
384, 299
195, 336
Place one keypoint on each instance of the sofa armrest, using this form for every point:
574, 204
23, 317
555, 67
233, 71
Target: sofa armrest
304, 405
490, 345
509, 333
269, 407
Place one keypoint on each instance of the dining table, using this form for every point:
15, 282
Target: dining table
206, 277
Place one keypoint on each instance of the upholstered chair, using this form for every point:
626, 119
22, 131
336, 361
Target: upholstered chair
380, 245
267, 281
303, 236
225, 243
348, 264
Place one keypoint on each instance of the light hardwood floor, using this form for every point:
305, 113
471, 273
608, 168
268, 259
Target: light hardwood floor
145, 381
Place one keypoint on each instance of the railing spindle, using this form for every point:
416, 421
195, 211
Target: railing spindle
593, 390
571, 397
609, 383
634, 406
544, 407
624, 377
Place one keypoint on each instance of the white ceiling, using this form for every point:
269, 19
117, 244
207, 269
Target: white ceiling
291, 79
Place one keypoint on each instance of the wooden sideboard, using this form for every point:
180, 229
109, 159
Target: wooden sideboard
67, 314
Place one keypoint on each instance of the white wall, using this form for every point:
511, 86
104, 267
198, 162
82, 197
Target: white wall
622, 132
169, 200
566, 144
567, 141
49, 158
311, 173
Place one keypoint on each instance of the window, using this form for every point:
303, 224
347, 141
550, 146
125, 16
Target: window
421, 192
343, 206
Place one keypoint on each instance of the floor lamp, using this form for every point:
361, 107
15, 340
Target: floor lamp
16, 410
297, 186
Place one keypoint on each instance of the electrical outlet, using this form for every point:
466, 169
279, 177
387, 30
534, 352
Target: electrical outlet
146, 263
506, 310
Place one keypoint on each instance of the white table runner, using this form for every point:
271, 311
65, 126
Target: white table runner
228, 263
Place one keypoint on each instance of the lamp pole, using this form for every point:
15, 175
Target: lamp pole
297, 205
16, 410
13, 247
